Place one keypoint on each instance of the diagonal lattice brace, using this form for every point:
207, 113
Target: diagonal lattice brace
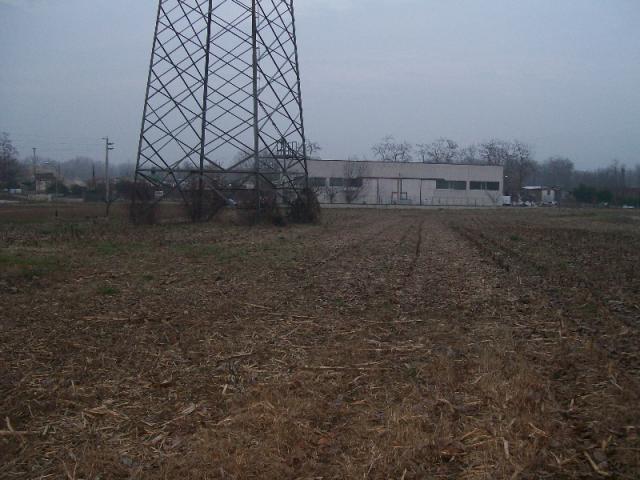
223, 108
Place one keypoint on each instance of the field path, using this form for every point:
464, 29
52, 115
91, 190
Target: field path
381, 345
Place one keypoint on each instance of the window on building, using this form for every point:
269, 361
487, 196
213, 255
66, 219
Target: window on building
317, 181
491, 186
336, 182
354, 182
451, 185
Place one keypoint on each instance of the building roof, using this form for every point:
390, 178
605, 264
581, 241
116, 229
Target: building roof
536, 187
391, 162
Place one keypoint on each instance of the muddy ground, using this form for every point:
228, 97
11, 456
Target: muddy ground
474, 344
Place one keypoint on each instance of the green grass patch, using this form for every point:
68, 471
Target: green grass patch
27, 265
619, 219
280, 253
108, 248
108, 290
111, 248
63, 230
219, 252
271, 254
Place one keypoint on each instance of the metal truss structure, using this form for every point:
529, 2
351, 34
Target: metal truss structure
223, 112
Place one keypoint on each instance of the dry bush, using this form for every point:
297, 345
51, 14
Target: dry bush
204, 203
305, 208
143, 207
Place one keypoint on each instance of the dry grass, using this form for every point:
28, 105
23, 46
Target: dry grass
404, 345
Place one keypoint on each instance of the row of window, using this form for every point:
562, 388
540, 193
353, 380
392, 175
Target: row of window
335, 182
440, 184
491, 186
450, 185
462, 185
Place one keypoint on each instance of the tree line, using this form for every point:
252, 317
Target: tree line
601, 185
15, 172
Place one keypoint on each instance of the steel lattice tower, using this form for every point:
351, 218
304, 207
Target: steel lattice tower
223, 109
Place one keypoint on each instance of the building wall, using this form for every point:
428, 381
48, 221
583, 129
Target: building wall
548, 195
42, 186
392, 183
541, 195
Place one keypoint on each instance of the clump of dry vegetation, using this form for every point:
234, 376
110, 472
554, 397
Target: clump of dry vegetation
408, 345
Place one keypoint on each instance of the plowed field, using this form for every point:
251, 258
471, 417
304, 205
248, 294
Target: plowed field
376, 345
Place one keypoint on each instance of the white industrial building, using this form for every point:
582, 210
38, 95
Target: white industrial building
404, 183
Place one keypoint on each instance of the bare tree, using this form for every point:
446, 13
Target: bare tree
447, 151
328, 191
519, 167
495, 152
354, 180
517, 159
403, 152
443, 150
9, 165
384, 149
313, 149
422, 149
331, 193
469, 155
557, 172
388, 150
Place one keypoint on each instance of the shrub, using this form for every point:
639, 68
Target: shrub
305, 208
142, 209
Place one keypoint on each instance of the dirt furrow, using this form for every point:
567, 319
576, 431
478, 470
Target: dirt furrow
377, 345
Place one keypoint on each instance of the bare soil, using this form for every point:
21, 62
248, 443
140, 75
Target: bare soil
379, 345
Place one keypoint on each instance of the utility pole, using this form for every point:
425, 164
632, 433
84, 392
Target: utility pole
35, 181
108, 148
57, 178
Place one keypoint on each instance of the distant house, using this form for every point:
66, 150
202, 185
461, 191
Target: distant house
44, 180
540, 195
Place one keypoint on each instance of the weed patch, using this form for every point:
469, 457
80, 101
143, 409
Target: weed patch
108, 248
27, 266
220, 253
108, 290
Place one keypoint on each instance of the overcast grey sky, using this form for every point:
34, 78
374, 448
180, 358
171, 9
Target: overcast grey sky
562, 75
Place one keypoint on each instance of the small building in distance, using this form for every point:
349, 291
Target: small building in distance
350, 182
540, 195
44, 180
